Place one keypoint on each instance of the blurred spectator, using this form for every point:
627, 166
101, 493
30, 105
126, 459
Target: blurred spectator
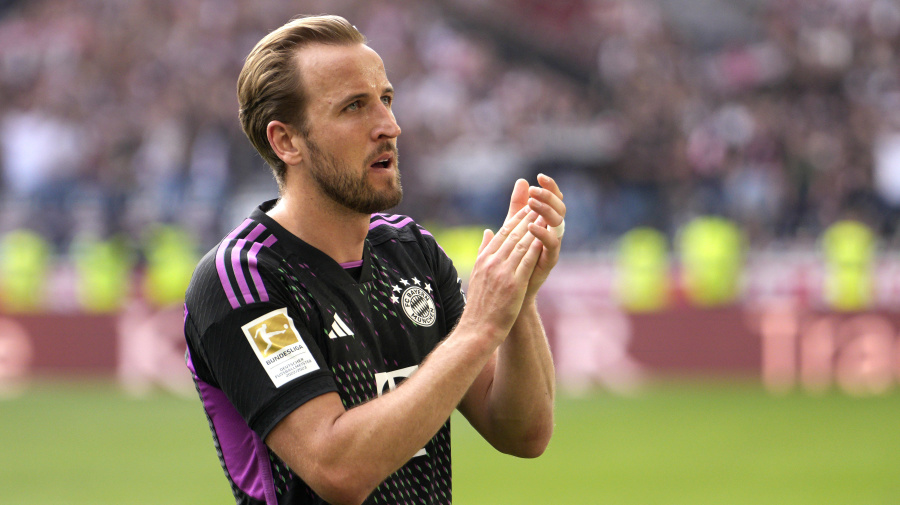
171, 258
712, 252
24, 266
104, 269
642, 264
849, 251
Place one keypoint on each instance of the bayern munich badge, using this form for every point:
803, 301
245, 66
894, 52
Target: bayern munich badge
416, 302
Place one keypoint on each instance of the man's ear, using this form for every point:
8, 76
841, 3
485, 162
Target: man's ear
286, 141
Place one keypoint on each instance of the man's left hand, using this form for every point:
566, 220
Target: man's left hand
547, 201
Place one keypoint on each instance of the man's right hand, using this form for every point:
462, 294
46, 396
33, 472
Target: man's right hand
501, 275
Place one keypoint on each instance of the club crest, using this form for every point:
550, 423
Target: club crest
416, 302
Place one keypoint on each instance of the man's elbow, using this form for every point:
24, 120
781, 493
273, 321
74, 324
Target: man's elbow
342, 487
532, 443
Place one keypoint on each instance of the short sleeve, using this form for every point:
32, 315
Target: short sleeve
264, 358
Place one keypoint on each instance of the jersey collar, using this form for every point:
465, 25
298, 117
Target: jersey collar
290, 245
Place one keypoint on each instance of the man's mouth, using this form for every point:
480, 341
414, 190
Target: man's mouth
383, 161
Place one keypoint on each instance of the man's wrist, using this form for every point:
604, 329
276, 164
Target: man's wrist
529, 308
487, 335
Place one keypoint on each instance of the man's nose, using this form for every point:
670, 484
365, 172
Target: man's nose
387, 126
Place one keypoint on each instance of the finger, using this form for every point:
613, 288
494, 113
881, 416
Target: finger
547, 182
547, 197
529, 261
519, 197
518, 234
485, 240
497, 240
521, 250
546, 236
550, 214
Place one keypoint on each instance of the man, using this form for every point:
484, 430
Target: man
330, 344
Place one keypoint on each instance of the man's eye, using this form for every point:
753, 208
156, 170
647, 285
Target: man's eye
354, 106
387, 100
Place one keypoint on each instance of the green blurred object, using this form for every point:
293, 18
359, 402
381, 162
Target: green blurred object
104, 273
849, 250
461, 244
171, 257
642, 265
24, 266
712, 261
703, 443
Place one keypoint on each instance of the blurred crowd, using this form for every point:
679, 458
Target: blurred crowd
116, 116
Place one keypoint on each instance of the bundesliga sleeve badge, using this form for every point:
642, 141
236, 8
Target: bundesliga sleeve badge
279, 348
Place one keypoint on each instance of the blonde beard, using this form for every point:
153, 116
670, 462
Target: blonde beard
336, 181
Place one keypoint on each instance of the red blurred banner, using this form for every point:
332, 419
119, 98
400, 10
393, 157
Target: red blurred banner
781, 342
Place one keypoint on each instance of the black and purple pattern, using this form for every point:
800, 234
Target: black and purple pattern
237, 261
260, 267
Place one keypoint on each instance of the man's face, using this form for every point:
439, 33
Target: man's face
352, 140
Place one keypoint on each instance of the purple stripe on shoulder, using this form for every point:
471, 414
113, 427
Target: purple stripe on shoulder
352, 264
239, 271
399, 224
387, 217
254, 270
255, 233
244, 453
252, 262
220, 264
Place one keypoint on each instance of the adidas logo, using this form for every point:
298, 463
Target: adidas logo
339, 329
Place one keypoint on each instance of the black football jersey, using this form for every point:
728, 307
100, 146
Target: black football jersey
272, 322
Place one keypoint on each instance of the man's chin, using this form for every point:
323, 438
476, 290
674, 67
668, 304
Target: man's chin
389, 202
377, 204
388, 197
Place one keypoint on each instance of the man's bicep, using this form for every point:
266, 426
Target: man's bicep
301, 438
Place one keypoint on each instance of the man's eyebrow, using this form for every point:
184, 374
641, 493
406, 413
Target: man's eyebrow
359, 96
353, 98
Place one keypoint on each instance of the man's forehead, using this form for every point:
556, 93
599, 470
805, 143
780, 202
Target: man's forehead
332, 70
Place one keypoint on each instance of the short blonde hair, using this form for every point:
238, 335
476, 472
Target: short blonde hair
270, 87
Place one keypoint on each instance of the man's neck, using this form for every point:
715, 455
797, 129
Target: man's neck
323, 224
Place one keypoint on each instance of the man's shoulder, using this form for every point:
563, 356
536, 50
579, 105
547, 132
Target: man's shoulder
236, 267
397, 227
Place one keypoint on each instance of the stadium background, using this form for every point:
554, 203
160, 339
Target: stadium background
724, 319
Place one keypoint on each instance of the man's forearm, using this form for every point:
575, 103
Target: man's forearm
529, 329
395, 426
519, 398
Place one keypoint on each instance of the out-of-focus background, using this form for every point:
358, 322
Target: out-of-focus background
724, 318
